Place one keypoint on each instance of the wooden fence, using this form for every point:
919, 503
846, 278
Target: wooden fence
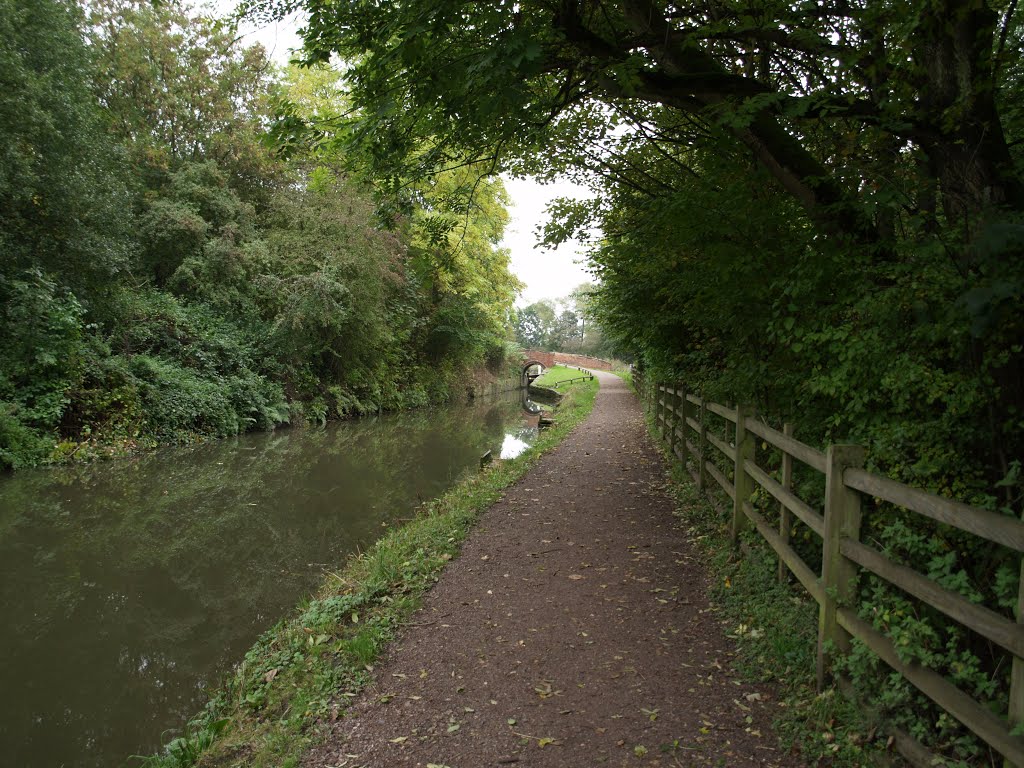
682, 418
574, 380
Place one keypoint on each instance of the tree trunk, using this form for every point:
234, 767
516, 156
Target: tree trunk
970, 157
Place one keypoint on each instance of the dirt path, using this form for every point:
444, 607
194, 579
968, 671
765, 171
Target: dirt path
572, 631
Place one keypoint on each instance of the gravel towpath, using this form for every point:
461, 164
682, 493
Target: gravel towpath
572, 631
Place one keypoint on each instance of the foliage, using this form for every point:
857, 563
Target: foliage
171, 277
185, 750
63, 204
333, 291
456, 258
45, 351
176, 88
541, 326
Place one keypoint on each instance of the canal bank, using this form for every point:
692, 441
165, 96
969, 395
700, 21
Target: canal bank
573, 630
302, 672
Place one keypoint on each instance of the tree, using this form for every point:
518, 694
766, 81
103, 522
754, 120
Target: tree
565, 335
507, 77
529, 328
64, 219
536, 325
63, 194
177, 88
456, 228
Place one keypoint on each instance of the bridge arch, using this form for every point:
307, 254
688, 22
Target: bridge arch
526, 377
550, 359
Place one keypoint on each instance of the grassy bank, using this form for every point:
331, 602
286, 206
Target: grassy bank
557, 374
304, 671
774, 627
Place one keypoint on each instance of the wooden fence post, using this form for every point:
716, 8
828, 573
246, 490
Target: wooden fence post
666, 400
659, 409
1016, 712
702, 444
684, 411
842, 520
742, 483
674, 423
785, 516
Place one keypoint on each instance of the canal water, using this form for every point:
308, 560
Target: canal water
128, 588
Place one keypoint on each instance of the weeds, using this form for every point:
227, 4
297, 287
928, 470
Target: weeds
775, 630
185, 750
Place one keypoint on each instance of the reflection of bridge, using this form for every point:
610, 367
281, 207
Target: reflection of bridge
529, 405
534, 357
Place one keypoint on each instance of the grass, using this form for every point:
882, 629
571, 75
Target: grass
557, 374
623, 371
306, 669
774, 627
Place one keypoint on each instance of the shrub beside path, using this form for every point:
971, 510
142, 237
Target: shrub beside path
573, 630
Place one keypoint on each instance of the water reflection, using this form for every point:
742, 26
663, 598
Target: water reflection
529, 406
129, 587
512, 446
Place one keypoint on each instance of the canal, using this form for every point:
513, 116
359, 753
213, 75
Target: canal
129, 588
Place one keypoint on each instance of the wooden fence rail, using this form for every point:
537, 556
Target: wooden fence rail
681, 415
572, 381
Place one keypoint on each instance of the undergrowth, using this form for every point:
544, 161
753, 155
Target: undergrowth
774, 627
304, 671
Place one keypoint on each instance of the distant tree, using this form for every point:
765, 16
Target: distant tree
565, 334
529, 329
535, 325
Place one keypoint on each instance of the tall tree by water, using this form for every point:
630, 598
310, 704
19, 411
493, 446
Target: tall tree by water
64, 216
172, 275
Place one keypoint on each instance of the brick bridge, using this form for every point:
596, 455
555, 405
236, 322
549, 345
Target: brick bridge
533, 357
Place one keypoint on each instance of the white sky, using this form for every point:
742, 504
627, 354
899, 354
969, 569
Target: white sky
547, 273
